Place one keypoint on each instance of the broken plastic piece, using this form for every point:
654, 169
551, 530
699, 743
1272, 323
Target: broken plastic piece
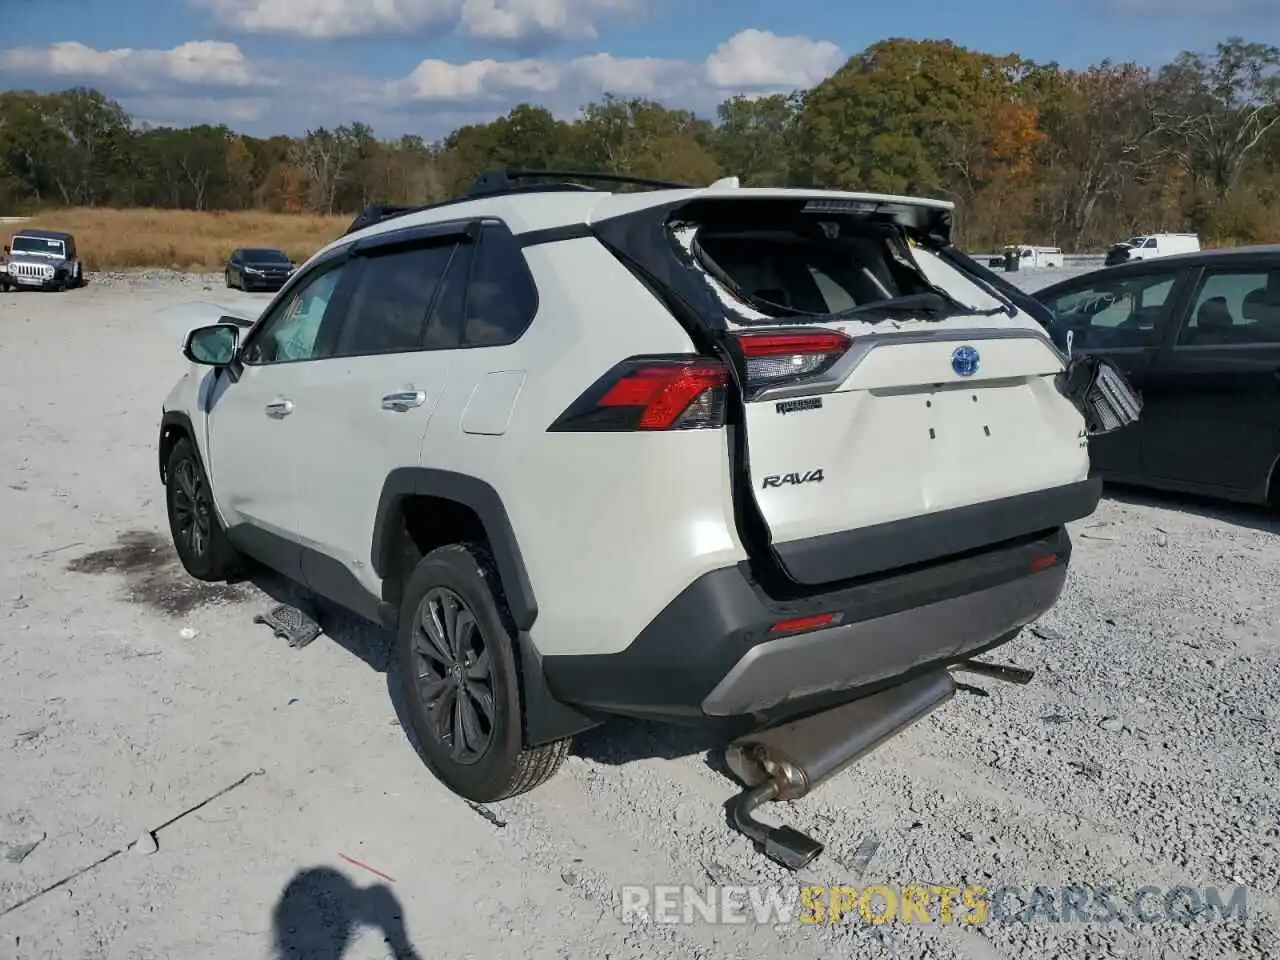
290, 623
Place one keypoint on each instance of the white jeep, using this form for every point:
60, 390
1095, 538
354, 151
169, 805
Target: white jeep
705, 455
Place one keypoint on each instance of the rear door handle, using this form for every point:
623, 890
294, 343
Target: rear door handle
405, 400
279, 408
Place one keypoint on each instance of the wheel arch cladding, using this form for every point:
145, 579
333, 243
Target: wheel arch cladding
174, 426
481, 499
545, 719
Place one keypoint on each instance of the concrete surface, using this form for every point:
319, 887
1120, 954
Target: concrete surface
1144, 754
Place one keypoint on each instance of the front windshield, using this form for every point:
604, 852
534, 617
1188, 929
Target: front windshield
265, 256
38, 245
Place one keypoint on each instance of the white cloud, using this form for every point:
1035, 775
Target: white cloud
206, 63
211, 82
749, 62
518, 21
507, 21
756, 59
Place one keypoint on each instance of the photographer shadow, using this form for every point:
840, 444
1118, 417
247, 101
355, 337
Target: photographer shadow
320, 911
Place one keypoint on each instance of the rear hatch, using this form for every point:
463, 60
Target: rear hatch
885, 393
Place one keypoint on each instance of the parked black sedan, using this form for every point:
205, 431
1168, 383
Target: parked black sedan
1198, 335
258, 268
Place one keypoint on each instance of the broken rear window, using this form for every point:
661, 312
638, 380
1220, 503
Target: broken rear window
810, 267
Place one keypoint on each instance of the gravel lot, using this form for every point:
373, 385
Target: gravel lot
1144, 754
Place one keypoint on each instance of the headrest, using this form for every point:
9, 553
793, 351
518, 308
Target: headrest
1262, 305
1214, 314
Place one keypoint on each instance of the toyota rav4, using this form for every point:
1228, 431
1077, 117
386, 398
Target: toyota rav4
708, 455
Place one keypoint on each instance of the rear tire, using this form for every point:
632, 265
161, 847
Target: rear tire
198, 535
456, 655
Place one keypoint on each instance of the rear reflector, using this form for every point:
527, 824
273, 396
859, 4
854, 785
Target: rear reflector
1044, 562
774, 358
799, 624
659, 393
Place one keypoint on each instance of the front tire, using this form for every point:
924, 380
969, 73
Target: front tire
198, 535
457, 665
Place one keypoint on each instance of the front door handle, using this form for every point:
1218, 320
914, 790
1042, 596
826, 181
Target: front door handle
405, 400
279, 408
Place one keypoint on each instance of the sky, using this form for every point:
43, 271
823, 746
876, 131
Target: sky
427, 66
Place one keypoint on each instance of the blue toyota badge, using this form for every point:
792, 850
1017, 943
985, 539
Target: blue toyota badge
964, 361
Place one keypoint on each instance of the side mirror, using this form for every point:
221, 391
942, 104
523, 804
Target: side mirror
212, 346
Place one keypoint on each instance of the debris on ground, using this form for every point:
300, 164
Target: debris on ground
15, 850
290, 623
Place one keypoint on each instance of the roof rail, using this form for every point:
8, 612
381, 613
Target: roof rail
509, 179
376, 213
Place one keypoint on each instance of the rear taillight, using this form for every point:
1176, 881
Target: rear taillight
652, 393
773, 358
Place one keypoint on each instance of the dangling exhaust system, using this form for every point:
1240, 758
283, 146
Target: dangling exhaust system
789, 761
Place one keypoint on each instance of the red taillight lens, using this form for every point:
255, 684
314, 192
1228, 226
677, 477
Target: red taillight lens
776, 357
653, 394
801, 624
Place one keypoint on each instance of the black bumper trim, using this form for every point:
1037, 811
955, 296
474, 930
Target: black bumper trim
902, 543
672, 667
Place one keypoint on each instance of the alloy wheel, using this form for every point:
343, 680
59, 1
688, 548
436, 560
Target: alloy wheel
191, 507
454, 674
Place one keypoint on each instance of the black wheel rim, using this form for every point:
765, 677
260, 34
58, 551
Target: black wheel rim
454, 674
191, 508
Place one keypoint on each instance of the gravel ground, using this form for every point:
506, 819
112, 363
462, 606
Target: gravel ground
1144, 754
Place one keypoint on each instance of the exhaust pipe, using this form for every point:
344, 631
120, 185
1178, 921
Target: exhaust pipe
789, 761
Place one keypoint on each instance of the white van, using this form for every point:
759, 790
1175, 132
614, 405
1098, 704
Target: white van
1152, 245
1041, 256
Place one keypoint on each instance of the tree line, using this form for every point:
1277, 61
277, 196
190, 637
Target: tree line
1029, 152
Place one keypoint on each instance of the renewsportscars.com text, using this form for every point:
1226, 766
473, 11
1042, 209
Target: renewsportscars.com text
929, 903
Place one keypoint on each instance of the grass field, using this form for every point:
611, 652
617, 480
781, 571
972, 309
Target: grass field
181, 239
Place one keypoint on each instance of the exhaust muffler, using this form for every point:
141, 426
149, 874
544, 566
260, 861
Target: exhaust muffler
789, 761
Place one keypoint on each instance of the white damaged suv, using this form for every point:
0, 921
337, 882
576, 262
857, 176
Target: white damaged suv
705, 455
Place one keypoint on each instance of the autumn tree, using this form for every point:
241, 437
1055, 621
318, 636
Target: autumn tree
644, 139
1029, 152
1220, 108
756, 139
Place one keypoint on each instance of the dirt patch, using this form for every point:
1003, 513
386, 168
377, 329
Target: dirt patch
154, 575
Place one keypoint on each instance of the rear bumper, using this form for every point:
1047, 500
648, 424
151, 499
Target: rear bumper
711, 654
900, 543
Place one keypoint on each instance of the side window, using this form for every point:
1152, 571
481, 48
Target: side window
292, 332
1110, 313
391, 303
1150, 244
501, 297
1234, 308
